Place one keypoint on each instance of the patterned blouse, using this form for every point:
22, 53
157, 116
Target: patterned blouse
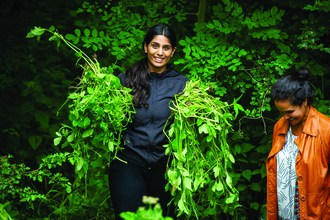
287, 185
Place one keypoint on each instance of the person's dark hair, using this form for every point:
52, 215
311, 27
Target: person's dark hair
295, 88
138, 75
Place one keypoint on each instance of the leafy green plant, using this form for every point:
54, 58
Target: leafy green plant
3, 212
12, 175
100, 110
152, 211
199, 176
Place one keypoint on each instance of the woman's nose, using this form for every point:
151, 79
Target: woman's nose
286, 117
160, 51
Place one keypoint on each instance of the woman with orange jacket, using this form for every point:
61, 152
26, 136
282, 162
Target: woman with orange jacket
298, 175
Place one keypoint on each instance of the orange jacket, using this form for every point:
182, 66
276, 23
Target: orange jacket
312, 167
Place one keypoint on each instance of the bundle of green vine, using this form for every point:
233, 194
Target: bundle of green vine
198, 175
100, 108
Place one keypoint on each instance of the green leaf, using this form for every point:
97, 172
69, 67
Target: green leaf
26, 107
70, 37
274, 10
227, 2
255, 187
38, 31
255, 206
52, 38
242, 53
94, 33
237, 148
232, 198
241, 187
70, 138
263, 171
77, 32
95, 48
57, 141
85, 166
220, 186
87, 122
79, 163
182, 42
68, 189
229, 180
88, 133
247, 174
111, 146
87, 32
187, 183
97, 163
203, 129
52, 28
231, 158
216, 171
35, 141
246, 147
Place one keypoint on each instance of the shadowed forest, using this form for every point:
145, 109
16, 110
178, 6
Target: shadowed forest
238, 47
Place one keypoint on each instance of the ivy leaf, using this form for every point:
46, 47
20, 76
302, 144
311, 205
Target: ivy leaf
246, 147
255, 206
247, 174
241, 187
237, 148
255, 187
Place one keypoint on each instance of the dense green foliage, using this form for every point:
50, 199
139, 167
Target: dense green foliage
240, 47
200, 174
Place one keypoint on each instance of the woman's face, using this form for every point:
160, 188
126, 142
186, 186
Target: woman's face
159, 52
296, 115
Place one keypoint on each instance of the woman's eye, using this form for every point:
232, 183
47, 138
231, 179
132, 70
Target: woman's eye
154, 46
166, 48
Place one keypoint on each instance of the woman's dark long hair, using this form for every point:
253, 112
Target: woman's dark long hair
138, 75
295, 88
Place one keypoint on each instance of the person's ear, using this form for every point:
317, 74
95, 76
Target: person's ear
173, 51
305, 102
145, 47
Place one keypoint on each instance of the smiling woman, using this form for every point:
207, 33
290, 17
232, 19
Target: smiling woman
154, 84
298, 180
159, 53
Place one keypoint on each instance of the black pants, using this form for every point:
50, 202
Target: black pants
128, 183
